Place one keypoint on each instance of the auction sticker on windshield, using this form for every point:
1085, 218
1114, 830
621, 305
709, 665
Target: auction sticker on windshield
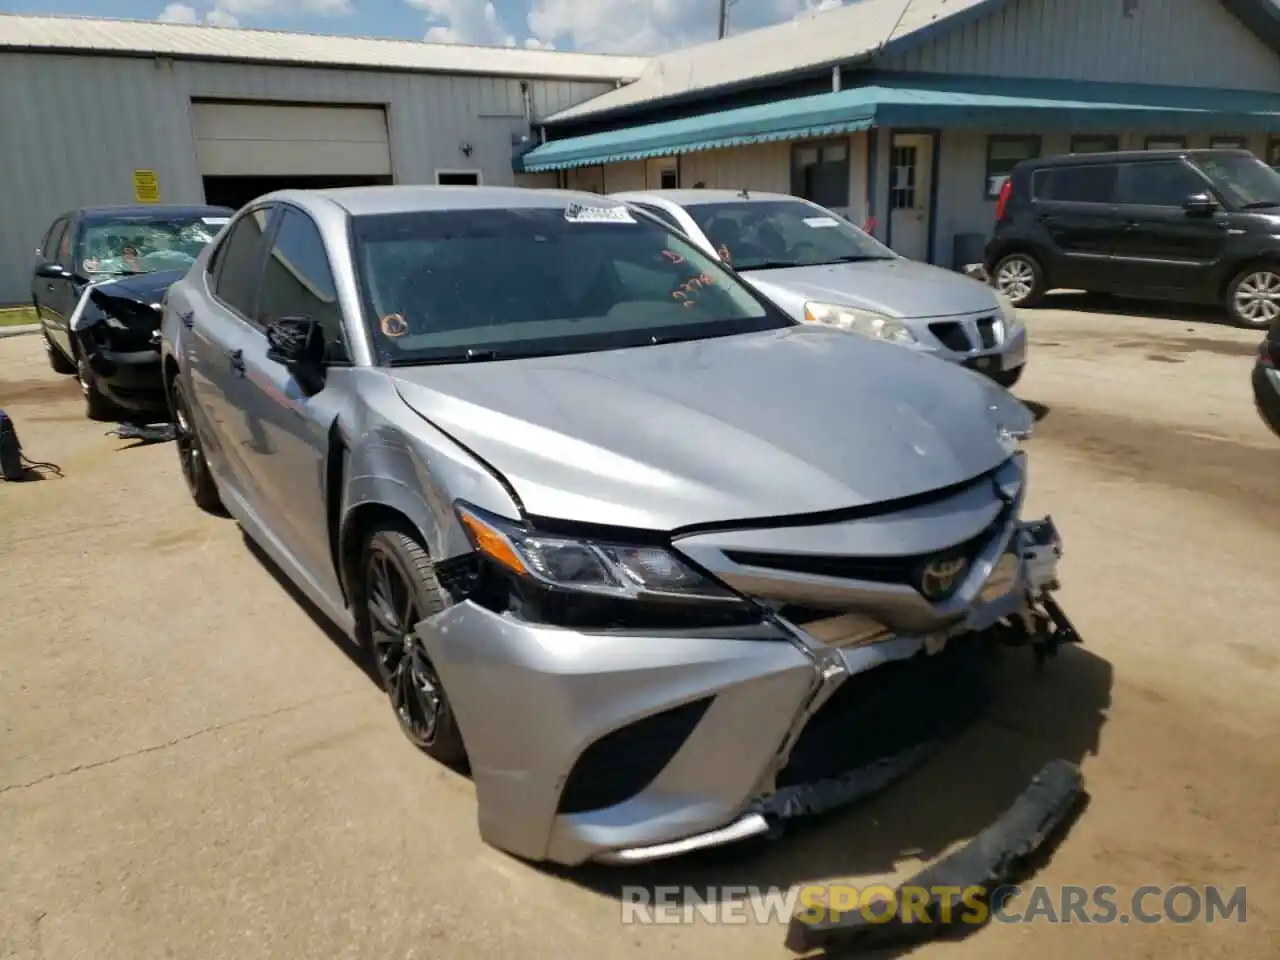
582, 213
216, 221
817, 222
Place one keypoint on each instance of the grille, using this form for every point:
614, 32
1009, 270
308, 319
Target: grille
620, 764
892, 708
987, 332
952, 335
902, 569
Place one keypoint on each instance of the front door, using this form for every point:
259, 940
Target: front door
910, 187
1161, 250
282, 429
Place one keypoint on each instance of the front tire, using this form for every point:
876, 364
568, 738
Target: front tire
57, 359
1253, 297
401, 589
96, 404
195, 468
1020, 277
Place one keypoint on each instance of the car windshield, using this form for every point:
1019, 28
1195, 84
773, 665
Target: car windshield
762, 234
492, 284
145, 244
1245, 180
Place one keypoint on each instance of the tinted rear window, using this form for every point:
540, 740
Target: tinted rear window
1094, 183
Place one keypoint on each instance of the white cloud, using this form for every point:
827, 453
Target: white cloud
464, 21
178, 13
220, 18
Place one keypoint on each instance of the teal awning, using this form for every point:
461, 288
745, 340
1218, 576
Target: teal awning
990, 104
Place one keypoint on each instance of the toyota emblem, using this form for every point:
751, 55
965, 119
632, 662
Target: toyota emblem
941, 577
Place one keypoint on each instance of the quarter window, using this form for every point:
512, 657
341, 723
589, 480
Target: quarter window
239, 263
1003, 154
1092, 183
297, 281
1163, 183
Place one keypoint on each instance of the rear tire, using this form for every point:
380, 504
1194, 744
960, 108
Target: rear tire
1020, 277
1253, 297
399, 590
195, 468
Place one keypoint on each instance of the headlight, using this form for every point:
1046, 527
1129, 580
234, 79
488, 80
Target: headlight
874, 325
1008, 315
620, 571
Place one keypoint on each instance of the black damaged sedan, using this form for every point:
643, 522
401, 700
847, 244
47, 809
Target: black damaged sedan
99, 279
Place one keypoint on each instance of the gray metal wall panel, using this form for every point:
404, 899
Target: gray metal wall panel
73, 128
1174, 42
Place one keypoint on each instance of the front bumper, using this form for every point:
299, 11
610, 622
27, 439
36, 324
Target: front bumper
627, 747
130, 379
990, 350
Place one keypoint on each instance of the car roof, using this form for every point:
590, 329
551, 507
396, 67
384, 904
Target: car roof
693, 198
1129, 156
367, 201
152, 209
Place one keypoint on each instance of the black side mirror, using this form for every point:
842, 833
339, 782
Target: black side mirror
298, 344
1199, 204
52, 271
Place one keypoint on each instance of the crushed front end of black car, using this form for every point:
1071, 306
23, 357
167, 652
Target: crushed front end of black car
118, 334
1266, 379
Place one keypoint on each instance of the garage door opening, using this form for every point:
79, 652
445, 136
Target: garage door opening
235, 192
247, 149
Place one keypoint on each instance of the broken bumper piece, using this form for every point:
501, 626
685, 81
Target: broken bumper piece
995, 857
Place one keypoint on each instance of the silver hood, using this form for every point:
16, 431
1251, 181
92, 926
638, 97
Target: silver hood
791, 421
897, 288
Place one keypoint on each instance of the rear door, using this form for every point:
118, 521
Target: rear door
1073, 205
282, 431
1162, 250
218, 336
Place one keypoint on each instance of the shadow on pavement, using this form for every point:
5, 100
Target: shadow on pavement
1036, 717
1123, 306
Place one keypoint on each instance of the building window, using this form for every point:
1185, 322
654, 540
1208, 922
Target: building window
1227, 143
820, 172
1003, 154
458, 178
1165, 143
1273, 151
669, 179
902, 178
1095, 144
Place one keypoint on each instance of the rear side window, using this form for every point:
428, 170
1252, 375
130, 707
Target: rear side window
1094, 183
299, 283
1161, 183
239, 262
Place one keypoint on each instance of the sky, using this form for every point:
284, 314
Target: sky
597, 26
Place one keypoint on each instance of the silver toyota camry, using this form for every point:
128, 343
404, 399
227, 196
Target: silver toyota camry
662, 566
822, 269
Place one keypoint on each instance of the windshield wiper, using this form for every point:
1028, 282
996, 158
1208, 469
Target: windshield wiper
1260, 204
464, 356
765, 265
852, 258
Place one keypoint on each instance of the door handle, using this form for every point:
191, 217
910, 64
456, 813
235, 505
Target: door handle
49, 287
188, 318
236, 359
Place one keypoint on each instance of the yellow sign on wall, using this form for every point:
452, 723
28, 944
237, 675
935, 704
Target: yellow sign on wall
146, 186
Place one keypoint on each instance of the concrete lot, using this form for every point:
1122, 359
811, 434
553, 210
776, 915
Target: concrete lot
191, 766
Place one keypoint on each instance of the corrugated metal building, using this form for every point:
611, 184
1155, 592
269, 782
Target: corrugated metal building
908, 114
91, 109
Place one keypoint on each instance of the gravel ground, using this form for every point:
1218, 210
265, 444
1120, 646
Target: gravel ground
192, 766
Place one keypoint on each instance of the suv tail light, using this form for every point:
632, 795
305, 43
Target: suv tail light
1004, 198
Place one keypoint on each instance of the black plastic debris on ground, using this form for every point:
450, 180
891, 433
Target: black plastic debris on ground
144, 432
997, 856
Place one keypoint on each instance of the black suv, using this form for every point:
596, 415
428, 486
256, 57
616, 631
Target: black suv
1198, 226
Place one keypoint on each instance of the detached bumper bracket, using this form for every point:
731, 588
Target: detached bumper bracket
995, 857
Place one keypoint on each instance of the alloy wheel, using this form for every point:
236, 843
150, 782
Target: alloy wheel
1257, 298
189, 455
1016, 278
407, 675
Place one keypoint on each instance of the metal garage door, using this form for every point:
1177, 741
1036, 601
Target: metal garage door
268, 140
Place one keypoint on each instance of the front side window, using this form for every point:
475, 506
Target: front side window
1246, 182
239, 266
297, 281
1092, 183
1163, 183
493, 284
145, 243
762, 234
1003, 154
53, 241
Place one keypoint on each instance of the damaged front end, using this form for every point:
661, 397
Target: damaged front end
628, 703
117, 330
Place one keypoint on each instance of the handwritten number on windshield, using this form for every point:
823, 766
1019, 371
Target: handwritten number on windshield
684, 293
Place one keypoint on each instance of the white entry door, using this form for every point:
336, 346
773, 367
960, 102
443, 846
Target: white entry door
910, 185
